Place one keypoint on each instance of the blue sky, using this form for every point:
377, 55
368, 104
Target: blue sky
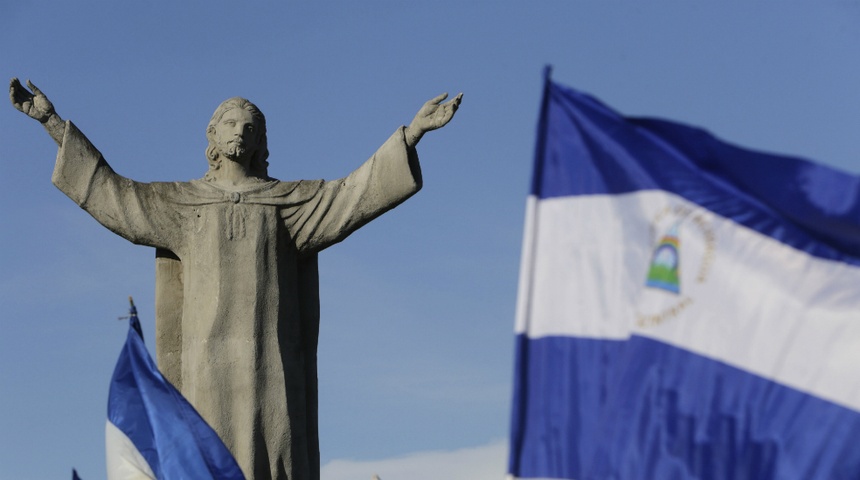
416, 343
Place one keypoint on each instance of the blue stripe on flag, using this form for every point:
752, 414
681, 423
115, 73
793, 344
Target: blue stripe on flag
641, 409
589, 149
166, 430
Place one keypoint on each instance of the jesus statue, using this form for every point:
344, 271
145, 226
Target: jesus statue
237, 284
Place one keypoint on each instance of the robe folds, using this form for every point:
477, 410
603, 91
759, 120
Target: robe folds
245, 290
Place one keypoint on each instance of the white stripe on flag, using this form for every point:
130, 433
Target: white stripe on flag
123, 460
589, 263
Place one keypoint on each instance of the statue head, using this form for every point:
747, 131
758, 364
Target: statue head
259, 150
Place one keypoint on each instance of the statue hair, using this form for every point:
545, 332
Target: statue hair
259, 166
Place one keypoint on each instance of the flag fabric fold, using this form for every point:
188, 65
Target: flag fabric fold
687, 308
152, 431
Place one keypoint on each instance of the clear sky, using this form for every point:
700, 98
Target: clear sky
416, 347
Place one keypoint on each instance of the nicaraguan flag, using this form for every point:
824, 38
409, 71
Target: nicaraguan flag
687, 309
152, 432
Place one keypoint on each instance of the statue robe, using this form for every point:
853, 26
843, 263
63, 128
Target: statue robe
245, 352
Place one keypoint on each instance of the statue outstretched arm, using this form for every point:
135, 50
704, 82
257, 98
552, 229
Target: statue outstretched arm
37, 106
432, 115
337, 208
132, 210
388, 178
143, 213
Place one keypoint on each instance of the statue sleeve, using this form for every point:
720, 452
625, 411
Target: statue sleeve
340, 207
136, 211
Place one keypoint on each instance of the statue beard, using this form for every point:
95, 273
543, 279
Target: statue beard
234, 150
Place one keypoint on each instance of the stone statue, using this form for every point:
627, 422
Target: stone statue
238, 313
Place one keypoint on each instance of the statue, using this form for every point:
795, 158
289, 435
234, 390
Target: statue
237, 272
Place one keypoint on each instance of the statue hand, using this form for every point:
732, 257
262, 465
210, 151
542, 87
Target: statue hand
434, 114
36, 105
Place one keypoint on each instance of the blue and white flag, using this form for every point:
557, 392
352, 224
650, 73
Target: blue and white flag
152, 431
687, 309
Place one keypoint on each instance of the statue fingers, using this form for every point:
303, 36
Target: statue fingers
454, 102
34, 88
15, 90
437, 99
12, 89
20, 97
452, 105
448, 108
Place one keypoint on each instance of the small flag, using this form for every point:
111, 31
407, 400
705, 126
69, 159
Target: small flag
687, 308
152, 431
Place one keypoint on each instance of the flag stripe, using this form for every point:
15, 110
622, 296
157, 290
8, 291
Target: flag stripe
593, 150
642, 409
589, 281
122, 457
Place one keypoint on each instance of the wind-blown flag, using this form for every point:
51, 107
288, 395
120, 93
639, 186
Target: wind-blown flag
152, 431
687, 309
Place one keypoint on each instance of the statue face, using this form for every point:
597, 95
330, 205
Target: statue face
235, 134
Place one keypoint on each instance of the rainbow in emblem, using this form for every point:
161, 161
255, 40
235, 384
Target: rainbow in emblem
663, 273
